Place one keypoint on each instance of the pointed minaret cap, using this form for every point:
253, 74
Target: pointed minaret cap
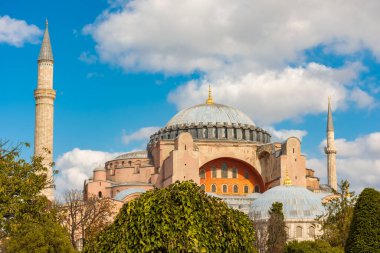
209, 100
46, 53
330, 124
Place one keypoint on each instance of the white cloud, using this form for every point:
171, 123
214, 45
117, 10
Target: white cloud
77, 165
358, 161
230, 36
88, 58
17, 32
284, 134
361, 98
274, 96
139, 135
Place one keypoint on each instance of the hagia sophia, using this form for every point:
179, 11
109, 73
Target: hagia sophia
218, 147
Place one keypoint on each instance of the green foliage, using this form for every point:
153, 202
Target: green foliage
311, 247
20, 185
276, 229
365, 228
337, 219
47, 236
179, 218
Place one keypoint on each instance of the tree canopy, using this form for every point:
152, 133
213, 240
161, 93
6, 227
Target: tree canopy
27, 218
311, 247
365, 227
178, 218
276, 229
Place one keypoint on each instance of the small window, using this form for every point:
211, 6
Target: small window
112, 172
203, 187
246, 188
213, 188
202, 174
246, 174
257, 188
234, 173
224, 171
130, 163
236, 189
311, 232
214, 175
299, 232
225, 188
100, 194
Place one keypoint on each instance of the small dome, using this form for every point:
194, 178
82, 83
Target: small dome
123, 194
130, 155
298, 203
206, 113
100, 168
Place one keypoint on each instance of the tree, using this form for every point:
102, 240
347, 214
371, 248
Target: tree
84, 218
47, 236
178, 218
20, 185
26, 213
276, 229
337, 218
311, 247
364, 233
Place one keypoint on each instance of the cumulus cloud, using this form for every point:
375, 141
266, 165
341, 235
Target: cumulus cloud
284, 134
17, 32
273, 96
221, 35
87, 57
77, 165
139, 135
357, 161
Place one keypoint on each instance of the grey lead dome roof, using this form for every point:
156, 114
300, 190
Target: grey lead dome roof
206, 113
298, 203
134, 154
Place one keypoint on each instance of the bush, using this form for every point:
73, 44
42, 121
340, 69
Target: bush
311, 247
179, 218
364, 233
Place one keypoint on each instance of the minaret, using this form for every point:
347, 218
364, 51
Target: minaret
44, 96
330, 150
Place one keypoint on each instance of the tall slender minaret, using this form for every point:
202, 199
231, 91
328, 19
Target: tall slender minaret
330, 150
44, 96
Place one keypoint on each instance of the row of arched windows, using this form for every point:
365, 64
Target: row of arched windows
299, 232
224, 172
235, 188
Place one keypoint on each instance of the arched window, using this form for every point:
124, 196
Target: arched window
246, 188
298, 232
234, 173
213, 171
246, 174
236, 189
225, 188
257, 188
203, 187
224, 171
213, 188
130, 163
100, 194
202, 174
311, 231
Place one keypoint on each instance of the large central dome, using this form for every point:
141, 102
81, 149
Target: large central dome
210, 113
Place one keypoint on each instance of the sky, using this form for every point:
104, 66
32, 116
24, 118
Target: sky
123, 68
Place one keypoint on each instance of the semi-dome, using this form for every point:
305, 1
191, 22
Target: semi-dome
214, 113
298, 203
135, 154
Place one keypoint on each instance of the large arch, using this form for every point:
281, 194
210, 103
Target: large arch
241, 178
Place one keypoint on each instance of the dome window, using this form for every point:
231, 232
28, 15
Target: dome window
224, 171
213, 188
234, 173
213, 171
225, 188
246, 188
236, 188
203, 187
202, 174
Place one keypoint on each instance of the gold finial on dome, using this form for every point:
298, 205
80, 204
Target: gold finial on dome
287, 180
209, 100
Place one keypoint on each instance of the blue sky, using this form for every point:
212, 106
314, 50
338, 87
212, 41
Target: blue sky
124, 68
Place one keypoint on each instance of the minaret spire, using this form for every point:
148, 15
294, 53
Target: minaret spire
45, 52
330, 149
209, 100
44, 96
